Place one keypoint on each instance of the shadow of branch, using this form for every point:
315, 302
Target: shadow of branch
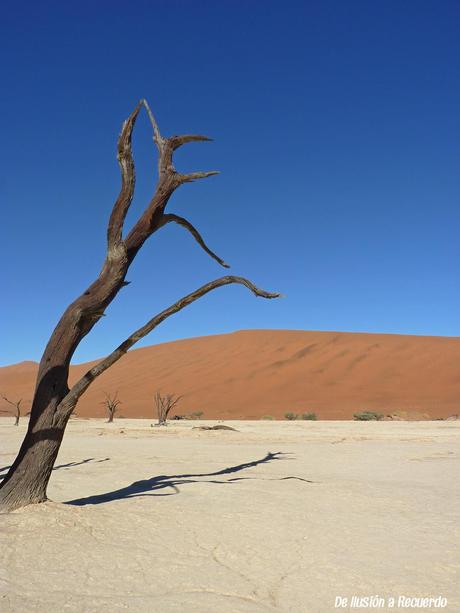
72, 464
5, 469
171, 483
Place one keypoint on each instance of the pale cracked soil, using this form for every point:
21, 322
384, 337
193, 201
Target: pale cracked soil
277, 516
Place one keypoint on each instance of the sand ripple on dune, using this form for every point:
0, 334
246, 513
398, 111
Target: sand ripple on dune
249, 374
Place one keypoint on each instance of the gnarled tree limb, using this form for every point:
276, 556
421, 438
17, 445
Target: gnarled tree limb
53, 402
158, 139
168, 181
69, 401
170, 217
128, 181
177, 141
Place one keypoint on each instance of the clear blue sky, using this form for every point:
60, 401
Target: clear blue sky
336, 128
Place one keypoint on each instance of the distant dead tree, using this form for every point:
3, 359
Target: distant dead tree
164, 405
111, 403
54, 398
17, 408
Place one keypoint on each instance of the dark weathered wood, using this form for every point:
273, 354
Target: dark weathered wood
170, 218
69, 401
128, 182
53, 401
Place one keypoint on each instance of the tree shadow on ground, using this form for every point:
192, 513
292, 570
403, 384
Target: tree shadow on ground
3, 472
153, 486
5, 469
72, 464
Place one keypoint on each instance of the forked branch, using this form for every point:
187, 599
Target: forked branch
17, 407
168, 181
70, 400
53, 403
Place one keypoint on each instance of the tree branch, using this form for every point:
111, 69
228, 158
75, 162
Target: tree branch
168, 218
128, 181
14, 404
169, 181
178, 141
194, 176
158, 139
69, 401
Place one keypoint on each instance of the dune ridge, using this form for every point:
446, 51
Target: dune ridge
253, 373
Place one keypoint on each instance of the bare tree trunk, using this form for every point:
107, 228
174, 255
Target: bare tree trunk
28, 477
27, 480
53, 402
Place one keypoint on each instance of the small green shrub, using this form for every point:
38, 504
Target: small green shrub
196, 414
308, 416
291, 416
368, 416
269, 417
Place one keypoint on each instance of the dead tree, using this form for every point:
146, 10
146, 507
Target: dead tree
17, 408
164, 405
111, 403
54, 401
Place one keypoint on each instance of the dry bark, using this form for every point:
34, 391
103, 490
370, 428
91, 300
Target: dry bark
53, 402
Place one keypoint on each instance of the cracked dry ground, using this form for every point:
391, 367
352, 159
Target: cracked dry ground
274, 517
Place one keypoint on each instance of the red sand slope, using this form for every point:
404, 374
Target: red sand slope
253, 373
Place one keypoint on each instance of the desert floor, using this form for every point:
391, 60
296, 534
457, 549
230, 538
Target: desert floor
279, 516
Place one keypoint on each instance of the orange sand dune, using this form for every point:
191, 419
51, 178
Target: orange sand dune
252, 373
